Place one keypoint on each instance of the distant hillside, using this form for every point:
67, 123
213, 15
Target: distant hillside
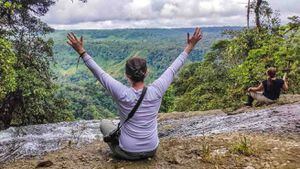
110, 49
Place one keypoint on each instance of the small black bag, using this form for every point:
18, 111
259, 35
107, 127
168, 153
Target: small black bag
113, 137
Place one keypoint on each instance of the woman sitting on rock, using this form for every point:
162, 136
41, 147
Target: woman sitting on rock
138, 137
269, 90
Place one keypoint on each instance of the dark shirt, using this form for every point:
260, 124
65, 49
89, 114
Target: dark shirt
273, 91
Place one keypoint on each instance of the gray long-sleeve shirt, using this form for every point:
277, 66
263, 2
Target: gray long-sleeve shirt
139, 134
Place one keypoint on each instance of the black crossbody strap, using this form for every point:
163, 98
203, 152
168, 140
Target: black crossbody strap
131, 114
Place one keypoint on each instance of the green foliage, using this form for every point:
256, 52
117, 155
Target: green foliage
221, 80
168, 104
204, 91
38, 103
280, 51
243, 147
7, 71
206, 152
28, 93
201, 86
9, 6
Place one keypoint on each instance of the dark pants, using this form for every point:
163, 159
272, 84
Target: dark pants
108, 126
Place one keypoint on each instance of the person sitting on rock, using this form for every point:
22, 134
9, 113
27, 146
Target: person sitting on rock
269, 90
138, 137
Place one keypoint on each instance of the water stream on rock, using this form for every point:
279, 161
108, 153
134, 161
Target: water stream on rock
33, 140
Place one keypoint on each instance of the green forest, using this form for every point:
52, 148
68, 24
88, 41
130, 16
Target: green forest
41, 83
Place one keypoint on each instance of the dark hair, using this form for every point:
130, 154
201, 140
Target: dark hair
271, 72
136, 69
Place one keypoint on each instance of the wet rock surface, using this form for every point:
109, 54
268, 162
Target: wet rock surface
38, 139
284, 118
17, 142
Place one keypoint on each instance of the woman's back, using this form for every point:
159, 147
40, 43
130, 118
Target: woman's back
140, 132
272, 89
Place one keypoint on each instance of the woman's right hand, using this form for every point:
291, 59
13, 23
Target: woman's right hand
77, 44
284, 77
250, 89
192, 41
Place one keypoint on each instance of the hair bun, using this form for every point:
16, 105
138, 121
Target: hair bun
139, 73
136, 68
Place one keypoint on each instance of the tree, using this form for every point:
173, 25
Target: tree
7, 72
7, 76
265, 17
257, 14
248, 14
33, 98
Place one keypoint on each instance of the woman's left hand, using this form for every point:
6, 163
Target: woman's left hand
77, 44
192, 41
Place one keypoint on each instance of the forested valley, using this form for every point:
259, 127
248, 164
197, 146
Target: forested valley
41, 83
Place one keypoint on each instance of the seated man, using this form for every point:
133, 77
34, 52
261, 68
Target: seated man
269, 90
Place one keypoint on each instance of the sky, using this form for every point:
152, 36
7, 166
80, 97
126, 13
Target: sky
112, 14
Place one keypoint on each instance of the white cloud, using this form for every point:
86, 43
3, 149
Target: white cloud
110, 14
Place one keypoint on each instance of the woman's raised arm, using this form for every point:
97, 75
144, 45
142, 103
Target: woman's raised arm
164, 81
113, 86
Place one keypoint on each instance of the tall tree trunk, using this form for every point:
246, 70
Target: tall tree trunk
8, 106
257, 14
248, 15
